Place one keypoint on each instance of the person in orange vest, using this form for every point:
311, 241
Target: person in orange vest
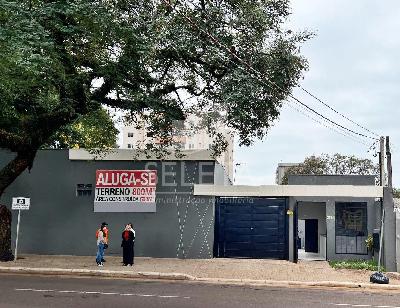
105, 236
100, 246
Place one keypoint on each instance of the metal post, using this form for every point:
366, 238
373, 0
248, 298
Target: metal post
16, 240
389, 162
380, 242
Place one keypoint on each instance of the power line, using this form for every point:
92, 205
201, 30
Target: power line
322, 122
325, 125
339, 113
302, 88
216, 41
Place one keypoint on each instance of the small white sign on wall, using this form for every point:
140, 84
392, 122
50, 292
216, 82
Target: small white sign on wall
20, 203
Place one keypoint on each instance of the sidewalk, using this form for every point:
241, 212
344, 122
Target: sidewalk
306, 272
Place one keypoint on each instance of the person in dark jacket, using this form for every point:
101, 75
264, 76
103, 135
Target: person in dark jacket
128, 240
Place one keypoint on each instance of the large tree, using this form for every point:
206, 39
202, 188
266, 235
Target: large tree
159, 60
332, 164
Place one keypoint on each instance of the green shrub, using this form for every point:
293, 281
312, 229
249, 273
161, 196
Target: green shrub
369, 265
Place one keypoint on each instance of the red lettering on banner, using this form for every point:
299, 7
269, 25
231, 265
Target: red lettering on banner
126, 178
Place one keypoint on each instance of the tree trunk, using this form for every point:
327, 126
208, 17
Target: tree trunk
5, 234
7, 176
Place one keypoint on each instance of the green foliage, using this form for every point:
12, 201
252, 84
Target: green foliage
369, 242
369, 265
147, 57
396, 193
335, 164
60, 61
95, 130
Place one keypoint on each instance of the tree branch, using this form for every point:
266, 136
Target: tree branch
14, 168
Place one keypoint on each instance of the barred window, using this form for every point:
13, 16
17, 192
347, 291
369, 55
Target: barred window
83, 190
130, 134
351, 227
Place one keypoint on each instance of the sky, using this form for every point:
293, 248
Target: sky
353, 67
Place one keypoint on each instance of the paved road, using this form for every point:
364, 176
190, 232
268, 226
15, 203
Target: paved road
35, 291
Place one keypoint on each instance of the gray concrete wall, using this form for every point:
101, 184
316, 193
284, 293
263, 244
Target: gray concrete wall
389, 232
331, 229
220, 175
331, 180
372, 209
358, 180
314, 210
60, 222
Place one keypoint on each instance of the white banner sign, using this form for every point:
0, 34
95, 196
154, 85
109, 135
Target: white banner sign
125, 191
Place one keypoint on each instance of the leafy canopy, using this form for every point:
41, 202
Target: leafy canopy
332, 164
158, 60
148, 58
93, 131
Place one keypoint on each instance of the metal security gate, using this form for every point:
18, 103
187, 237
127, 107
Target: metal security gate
251, 228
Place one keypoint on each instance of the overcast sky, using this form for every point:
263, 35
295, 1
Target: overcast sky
354, 67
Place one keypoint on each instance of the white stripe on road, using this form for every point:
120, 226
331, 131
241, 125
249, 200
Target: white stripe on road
34, 290
363, 305
105, 293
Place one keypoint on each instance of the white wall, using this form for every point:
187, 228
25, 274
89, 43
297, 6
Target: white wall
314, 210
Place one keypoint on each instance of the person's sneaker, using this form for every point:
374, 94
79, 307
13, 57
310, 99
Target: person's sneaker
129, 264
100, 264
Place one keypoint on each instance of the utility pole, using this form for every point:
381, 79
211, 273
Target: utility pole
382, 161
389, 162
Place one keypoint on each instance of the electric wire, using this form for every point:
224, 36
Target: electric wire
337, 112
304, 112
271, 82
326, 104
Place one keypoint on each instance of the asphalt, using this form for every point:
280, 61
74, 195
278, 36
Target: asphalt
123, 274
37, 291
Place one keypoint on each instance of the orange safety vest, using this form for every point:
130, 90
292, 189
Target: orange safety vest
105, 234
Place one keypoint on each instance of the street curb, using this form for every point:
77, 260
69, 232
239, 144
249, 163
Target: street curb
94, 273
284, 283
186, 277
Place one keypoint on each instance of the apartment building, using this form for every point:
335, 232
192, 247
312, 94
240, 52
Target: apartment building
188, 139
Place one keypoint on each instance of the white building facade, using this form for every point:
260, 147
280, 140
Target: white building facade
136, 138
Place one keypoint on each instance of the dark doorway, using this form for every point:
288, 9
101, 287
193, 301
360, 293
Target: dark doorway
311, 235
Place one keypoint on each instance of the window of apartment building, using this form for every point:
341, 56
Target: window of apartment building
83, 190
191, 146
351, 227
130, 146
130, 134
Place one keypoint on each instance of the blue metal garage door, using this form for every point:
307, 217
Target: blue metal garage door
251, 228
